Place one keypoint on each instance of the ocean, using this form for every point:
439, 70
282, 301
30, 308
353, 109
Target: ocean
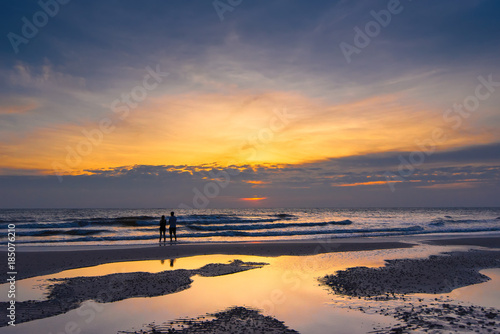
140, 226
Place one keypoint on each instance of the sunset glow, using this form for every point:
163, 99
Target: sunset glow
253, 198
248, 106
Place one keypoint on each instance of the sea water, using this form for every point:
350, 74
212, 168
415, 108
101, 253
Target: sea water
140, 226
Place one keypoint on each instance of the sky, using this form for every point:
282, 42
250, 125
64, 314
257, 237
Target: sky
239, 103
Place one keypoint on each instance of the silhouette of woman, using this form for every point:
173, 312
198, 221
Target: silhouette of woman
163, 228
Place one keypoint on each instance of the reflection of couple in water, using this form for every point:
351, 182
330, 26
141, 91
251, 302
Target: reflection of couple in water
172, 221
172, 261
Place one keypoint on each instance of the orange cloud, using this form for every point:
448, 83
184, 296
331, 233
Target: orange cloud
258, 184
455, 185
17, 109
363, 183
370, 183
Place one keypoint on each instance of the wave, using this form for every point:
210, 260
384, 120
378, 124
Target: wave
405, 230
444, 221
119, 221
45, 233
437, 223
135, 221
149, 221
284, 216
17, 221
337, 233
293, 233
243, 227
234, 220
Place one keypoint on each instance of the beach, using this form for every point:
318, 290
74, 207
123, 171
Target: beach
262, 286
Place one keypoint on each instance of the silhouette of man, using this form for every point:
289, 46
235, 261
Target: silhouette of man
172, 221
163, 228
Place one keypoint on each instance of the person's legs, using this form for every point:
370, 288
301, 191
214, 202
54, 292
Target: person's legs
175, 235
170, 232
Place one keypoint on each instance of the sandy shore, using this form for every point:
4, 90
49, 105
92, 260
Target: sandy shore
491, 242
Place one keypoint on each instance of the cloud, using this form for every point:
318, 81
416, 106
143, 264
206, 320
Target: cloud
351, 122
457, 185
369, 183
23, 107
43, 77
473, 180
184, 186
241, 128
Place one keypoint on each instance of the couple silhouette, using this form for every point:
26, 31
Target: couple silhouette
172, 222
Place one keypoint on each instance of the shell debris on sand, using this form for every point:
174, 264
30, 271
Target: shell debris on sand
386, 290
433, 315
436, 274
235, 320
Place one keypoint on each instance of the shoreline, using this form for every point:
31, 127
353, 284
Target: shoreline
37, 261
424, 237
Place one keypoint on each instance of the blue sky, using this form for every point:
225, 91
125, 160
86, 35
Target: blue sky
266, 92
